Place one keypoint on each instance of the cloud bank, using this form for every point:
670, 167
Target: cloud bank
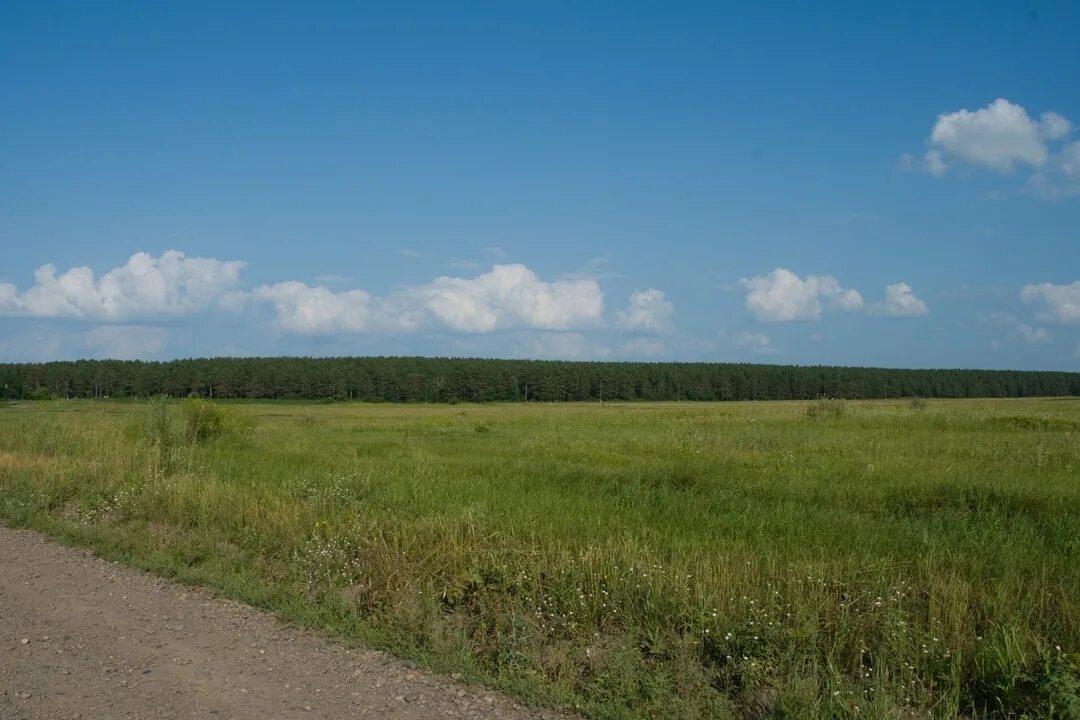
508, 297
783, 296
171, 285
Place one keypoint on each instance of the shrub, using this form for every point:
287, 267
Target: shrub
42, 393
204, 420
826, 406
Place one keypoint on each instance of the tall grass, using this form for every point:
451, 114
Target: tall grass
633, 561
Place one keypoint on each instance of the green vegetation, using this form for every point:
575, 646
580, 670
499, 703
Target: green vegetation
825, 407
746, 560
437, 380
206, 420
41, 393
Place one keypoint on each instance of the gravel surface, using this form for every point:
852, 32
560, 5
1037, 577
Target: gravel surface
82, 637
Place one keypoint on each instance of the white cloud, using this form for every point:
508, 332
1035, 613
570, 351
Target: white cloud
757, 343
512, 296
1057, 303
507, 297
9, 298
998, 136
648, 311
144, 286
1034, 336
900, 301
782, 296
125, 342
303, 309
1054, 126
1001, 137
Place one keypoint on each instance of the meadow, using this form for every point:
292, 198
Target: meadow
871, 559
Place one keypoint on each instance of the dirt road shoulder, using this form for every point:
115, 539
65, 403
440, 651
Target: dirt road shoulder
82, 637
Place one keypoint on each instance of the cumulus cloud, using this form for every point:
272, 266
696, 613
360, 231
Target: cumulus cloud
647, 312
507, 297
998, 136
900, 301
1056, 303
300, 308
172, 284
511, 296
1002, 137
9, 298
783, 296
1054, 126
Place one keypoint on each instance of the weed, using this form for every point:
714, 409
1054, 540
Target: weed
205, 420
827, 407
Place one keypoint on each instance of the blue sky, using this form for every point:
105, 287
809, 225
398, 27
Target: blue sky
799, 184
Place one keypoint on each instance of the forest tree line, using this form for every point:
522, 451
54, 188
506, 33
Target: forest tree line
440, 380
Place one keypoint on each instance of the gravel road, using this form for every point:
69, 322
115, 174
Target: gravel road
82, 637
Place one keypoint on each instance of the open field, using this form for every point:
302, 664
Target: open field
680, 560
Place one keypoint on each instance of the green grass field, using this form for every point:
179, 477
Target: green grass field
745, 560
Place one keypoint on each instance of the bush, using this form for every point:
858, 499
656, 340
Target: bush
204, 420
41, 393
826, 406
918, 403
